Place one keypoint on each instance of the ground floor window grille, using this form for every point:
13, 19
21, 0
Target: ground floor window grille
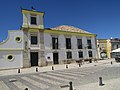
80, 54
90, 53
69, 55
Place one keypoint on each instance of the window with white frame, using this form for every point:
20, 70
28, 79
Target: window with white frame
79, 43
34, 40
33, 20
90, 53
80, 53
69, 55
54, 42
89, 44
68, 43
103, 45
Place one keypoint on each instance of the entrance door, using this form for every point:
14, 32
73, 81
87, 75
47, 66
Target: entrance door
34, 58
55, 58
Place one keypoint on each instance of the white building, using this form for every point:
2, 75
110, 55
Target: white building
35, 45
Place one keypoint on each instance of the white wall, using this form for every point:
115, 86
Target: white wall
74, 42
93, 42
85, 51
49, 54
62, 47
62, 42
75, 55
62, 55
14, 48
47, 41
11, 43
27, 21
94, 47
17, 62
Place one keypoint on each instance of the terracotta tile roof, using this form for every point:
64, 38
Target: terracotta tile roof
69, 29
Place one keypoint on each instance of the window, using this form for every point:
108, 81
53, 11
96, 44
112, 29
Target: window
34, 40
18, 39
117, 46
54, 42
69, 55
10, 57
33, 20
90, 53
89, 44
80, 54
103, 45
79, 42
68, 43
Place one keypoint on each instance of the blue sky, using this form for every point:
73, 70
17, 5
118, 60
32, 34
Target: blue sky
101, 17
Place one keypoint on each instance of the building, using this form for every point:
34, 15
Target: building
115, 44
104, 48
34, 45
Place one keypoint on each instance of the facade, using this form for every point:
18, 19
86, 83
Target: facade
115, 44
68, 43
34, 45
104, 48
11, 50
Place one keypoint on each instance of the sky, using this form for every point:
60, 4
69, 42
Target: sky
101, 17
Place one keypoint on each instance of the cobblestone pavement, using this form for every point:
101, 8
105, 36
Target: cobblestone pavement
50, 80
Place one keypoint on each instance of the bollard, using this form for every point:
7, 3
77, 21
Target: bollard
18, 70
100, 81
36, 69
66, 66
52, 68
70, 88
79, 65
111, 62
26, 89
90, 61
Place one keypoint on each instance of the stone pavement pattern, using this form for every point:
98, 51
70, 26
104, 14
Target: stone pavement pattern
42, 81
113, 84
48, 68
52, 80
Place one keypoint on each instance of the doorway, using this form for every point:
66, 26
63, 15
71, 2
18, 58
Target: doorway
34, 58
55, 58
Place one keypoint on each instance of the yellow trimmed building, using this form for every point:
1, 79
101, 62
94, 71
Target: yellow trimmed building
104, 48
35, 45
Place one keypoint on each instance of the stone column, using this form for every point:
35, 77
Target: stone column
26, 59
26, 53
85, 49
42, 60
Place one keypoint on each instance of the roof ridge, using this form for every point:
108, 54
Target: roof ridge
70, 29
